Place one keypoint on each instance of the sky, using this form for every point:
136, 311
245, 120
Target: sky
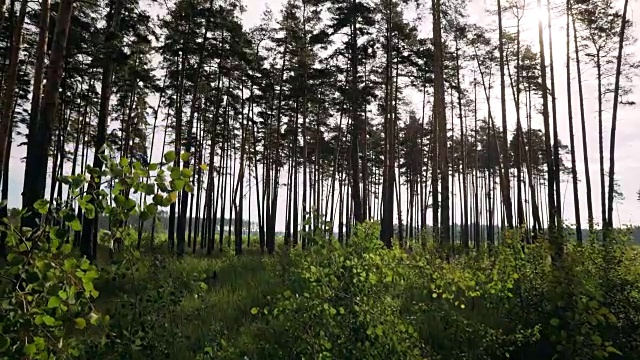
627, 139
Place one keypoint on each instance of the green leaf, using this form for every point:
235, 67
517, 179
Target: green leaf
89, 211
170, 156
555, 322
596, 340
144, 215
42, 206
93, 318
30, 349
177, 185
80, 323
379, 330
204, 167
157, 199
175, 174
48, 320
119, 200
610, 349
75, 225
130, 204
15, 259
124, 161
54, 302
185, 156
188, 188
4, 343
66, 248
254, 310
153, 167
186, 173
152, 209
150, 189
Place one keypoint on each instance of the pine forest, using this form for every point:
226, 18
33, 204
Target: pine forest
319, 179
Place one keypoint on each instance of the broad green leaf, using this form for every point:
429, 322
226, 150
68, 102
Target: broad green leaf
204, 167
177, 185
596, 340
54, 302
555, 322
124, 161
66, 248
75, 225
30, 349
80, 323
254, 310
153, 167
42, 206
93, 318
48, 320
150, 189
189, 188
130, 204
175, 174
185, 156
170, 156
186, 173
152, 209
158, 199
119, 200
89, 211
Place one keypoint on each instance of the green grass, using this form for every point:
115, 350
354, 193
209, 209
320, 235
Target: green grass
200, 315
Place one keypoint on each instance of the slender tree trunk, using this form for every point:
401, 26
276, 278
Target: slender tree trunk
556, 140
441, 120
574, 173
355, 119
505, 181
547, 136
6, 121
587, 174
603, 189
614, 116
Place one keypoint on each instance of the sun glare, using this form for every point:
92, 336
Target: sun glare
532, 15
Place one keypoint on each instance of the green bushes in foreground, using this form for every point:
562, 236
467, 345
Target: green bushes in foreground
358, 301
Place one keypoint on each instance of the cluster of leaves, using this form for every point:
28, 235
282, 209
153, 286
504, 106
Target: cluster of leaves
160, 181
47, 294
47, 290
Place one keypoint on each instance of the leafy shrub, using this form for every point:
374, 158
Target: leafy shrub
46, 294
46, 289
341, 302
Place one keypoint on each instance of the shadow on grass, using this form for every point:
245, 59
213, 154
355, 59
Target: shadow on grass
200, 316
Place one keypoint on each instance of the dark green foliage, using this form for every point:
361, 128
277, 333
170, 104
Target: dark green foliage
354, 301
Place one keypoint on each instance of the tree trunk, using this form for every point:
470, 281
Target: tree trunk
574, 173
587, 174
614, 117
88, 241
439, 109
504, 180
6, 121
38, 145
355, 120
556, 241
